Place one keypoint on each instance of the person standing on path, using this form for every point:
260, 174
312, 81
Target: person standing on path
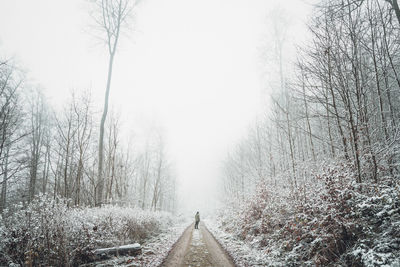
197, 220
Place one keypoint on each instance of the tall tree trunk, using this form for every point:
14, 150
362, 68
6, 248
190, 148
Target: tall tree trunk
308, 121
396, 8
329, 124
100, 186
46, 168
291, 150
339, 125
378, 85
3, 196
387, 52
66, 163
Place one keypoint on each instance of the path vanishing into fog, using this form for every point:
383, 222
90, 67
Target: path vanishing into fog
197, 248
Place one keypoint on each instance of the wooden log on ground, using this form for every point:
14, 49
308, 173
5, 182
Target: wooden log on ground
106, 253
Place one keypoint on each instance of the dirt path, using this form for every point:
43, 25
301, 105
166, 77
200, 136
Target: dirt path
197, 248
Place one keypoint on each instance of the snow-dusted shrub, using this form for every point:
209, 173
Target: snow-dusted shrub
377, 210
47, 232
323, 227
37, 231
329, 220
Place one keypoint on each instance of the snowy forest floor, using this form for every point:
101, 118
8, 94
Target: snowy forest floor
243, 254
154, 250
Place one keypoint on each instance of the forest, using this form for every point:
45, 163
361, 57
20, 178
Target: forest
314, 181
318, 175
52, 181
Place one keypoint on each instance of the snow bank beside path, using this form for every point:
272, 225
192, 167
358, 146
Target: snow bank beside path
242, 253
154, 250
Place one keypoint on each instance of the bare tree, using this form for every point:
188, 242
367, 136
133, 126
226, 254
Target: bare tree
11, 132
38, 127
111, 17
84, 123
111, 160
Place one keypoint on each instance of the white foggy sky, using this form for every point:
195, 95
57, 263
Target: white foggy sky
191, 67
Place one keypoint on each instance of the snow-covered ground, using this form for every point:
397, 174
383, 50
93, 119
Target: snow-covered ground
242, 253
154, 250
